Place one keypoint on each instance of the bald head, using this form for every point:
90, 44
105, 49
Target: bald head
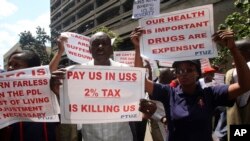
102, 35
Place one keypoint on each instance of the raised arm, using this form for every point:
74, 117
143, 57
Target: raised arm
135, 38
226, 38
53, 65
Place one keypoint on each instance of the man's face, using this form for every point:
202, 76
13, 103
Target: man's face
208, 77
100, 47
15, 62
186, 73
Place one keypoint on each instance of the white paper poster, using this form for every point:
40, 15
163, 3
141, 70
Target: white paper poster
77, 47
102, 94
145, 8
25, 95
126, 57
179, 35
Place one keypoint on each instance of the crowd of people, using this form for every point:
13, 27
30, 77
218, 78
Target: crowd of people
187, 102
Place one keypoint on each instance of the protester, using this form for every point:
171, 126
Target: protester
101, 50
239, 113
189, 108
27, 131
208, 77
66, 132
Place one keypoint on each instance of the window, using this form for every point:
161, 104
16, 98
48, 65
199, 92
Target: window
108, 15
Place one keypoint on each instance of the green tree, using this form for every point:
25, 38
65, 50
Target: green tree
37, 44
112, 35
239, 22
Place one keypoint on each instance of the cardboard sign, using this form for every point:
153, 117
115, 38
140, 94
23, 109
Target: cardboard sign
145, 8
126, 57
77, 47
25, 95
101, 94
180, 35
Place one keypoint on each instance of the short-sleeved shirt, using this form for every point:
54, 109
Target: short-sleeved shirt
190, 115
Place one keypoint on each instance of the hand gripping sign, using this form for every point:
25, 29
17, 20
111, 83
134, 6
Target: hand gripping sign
101, 94
179, 35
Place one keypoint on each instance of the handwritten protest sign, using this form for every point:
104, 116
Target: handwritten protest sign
25, 96
180, 35
99, 94
145, 8
219, 78
205, 63
126, 57
77, 47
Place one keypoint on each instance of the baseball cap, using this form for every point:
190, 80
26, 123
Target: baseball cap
208, 70
196, 62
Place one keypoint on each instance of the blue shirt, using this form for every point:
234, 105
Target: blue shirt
190, 116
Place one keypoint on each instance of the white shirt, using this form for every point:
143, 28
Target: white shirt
205, 85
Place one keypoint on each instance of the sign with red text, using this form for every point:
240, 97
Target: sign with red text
205, 63
180, 35
125, 57
145, 8
101, 94
25, 95
77, 47
219, 78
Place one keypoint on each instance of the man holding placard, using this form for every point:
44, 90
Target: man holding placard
101, 50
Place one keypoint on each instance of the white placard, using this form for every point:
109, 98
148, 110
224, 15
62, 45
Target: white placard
126, 57
101, 94
180, 35
77, 47
205, 63
25, 95
145, 8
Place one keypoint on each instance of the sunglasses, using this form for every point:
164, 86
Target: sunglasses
182, 71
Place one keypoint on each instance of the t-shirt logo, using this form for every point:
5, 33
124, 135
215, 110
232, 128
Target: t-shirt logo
201, 102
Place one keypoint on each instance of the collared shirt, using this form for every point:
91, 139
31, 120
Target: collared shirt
190, 116
117, 131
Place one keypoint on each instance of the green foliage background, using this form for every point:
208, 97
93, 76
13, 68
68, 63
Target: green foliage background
239, 22
36, 43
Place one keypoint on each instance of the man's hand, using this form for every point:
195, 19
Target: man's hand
224, 38
135, 35
56, 80
147, 107
60, 43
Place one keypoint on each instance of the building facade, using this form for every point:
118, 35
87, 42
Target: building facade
85, 16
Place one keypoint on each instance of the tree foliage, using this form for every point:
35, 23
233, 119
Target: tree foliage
117, 42
37, 43
239, 22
